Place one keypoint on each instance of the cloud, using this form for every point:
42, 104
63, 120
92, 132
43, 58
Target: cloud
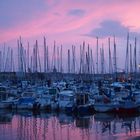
76, 12
109, 28
30, 18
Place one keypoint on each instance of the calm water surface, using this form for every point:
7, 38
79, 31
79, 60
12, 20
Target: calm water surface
24, 125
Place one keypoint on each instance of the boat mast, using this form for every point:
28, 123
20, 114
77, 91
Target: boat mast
58, 60
83, 58
92, 63
127, 57
61, 65
88, 61
3, 58
24, 60
13, 64
97, 47
131, 64
73, 59
102, 59
54, 58
110, 59
6, 67
80, 59
38, 59
68, 61
19, 68
35, 56
45, 55
135, 56
115, 59
28, 57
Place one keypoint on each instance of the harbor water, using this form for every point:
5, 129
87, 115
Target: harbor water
28, 125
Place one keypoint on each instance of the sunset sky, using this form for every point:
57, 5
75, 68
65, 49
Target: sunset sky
68, 21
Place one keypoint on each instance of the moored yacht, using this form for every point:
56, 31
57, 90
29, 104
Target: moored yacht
66, 100
26, 101
84, 105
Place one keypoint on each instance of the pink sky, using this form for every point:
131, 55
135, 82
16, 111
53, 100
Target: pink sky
60, 18
68, 21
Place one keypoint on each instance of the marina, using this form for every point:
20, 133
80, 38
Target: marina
39, 101
71, 96
69, 70
44, 83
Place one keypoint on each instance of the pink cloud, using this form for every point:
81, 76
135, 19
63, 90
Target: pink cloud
49, 23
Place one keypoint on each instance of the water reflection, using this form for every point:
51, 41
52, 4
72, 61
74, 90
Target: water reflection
83, 122
26, 125
5, 117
